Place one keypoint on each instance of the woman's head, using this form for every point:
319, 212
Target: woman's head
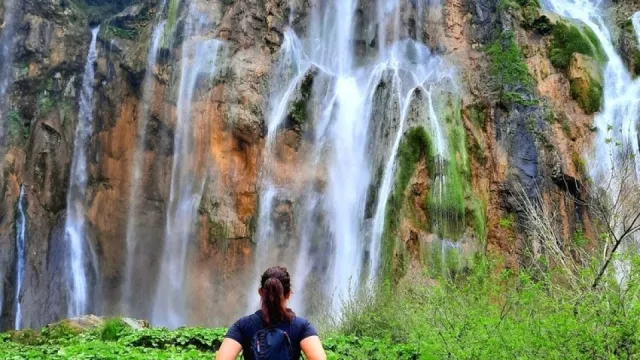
275, 290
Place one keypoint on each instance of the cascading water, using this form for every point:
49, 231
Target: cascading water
136, 170
21, 255
199, 56
75, 221
334, 218
619, 116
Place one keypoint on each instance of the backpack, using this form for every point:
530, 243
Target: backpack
271, 344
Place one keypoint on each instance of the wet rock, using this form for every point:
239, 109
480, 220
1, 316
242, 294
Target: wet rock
586, 82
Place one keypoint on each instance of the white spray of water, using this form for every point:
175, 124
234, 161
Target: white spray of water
21, 255
75, 221
342, 131
198, 60
618, 119
138, 162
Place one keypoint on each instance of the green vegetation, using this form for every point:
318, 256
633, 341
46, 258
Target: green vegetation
494, 313
416, 145
588, 96
299, 108
112, 330
487, 312
172, 16
579, 163
511, 78
118, 32
45, 102
507, 221
569, 39
17, 130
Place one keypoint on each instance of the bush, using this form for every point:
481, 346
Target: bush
112, 330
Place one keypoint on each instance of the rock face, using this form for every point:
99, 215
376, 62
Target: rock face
534, 141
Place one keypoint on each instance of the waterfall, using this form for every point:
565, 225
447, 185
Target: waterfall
620, 111
76, 197
21, 255
6, 59
138, 163
198, 59
332, 233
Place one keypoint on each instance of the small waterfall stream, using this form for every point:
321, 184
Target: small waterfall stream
76, 197
21, 256
199, 55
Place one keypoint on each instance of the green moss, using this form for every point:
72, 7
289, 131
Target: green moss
446, 203
588, 96
299, 108
172, 16
511, 78
569, 39
479, 219
415, 145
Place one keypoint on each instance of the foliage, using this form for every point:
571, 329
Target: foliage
511, 78
569, 39
506, 222
495, 313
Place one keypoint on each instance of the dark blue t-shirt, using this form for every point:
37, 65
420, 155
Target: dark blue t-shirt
243, 330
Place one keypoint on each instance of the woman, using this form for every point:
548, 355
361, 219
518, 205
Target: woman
274, 331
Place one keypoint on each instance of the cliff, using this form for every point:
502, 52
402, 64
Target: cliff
516, 115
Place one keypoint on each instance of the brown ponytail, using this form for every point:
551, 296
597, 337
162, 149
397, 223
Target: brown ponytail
275, 287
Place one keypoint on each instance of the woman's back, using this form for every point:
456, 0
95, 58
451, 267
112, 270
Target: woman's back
274, 330
244, 330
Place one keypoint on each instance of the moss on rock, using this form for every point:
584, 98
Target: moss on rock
569, 39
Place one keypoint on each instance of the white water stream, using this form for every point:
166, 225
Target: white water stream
21, 256
199, 55
138, 163
76, 197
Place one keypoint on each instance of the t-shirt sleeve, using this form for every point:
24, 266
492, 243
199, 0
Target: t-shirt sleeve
235, 331
307, 330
